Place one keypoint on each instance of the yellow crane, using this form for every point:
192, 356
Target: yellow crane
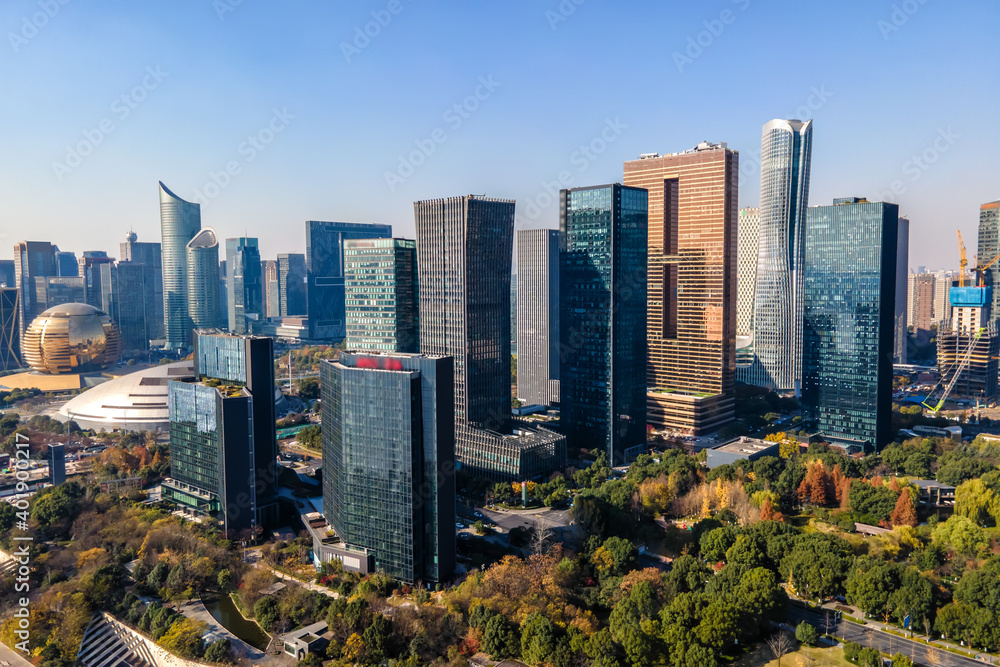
962, 260
981, 270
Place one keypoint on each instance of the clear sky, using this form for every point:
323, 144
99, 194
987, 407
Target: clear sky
315, 119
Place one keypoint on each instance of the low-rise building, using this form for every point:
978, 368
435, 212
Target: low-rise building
740, 449
309, 639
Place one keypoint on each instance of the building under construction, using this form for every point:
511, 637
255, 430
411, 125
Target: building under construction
967, 350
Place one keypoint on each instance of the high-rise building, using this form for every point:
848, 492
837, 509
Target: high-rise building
464, 249
902, 268
123, 298
180, 221
272, 298
223, 294
920, 300
54, 291
292, 276
67, 265
988, 248
32, 259
7, 273
57, 463
943, 282
602, 318
968, 346
90, 270
243, 282
513, 313
203, 291
849, 304
222, 439
380, 278
148, 255
538, 316
746, 289
692, 285
325, 262
786, 149
10, 332
389, 460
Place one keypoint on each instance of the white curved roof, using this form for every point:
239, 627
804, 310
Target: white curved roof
137, 401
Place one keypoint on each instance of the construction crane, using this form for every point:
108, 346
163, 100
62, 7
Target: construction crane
981, 271
963, 261
956, 371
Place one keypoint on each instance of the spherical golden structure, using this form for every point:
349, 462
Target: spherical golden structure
71, 338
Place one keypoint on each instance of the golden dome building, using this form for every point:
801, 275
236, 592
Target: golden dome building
71, 338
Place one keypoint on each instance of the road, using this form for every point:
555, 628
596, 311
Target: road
887, 643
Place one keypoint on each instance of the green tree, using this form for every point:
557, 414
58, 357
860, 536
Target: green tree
309, 388
265, 610
538, 639
900, 660
715, 543
806, 633
219, 651
184, 638
376, 637
225, 579
499, 639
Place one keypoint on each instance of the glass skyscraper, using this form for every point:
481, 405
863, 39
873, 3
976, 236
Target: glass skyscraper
123, 298
269, 288
10, 334
389, 460
180, 221
292, 275
7, 273
32, 259
786, 149
243, 282
380, 277
849, 312
325, 262
148, 256
988, 247
602, 321
537, 318
203, 289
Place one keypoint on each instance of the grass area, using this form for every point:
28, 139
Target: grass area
804, 656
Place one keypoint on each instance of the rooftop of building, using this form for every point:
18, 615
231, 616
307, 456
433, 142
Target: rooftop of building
745, 445
701, 147
931, 484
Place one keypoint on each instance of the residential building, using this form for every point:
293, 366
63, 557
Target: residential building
32, 259
920, 297
10, 332
271, 296
223, 449
149, 257
988, 247
464, 265
243, 281
380, 279
849, 304
292, 277
325, 263
602, 318
180, 221
389, 460
203, 290
786, 149
538, 316
692, 285
943, 282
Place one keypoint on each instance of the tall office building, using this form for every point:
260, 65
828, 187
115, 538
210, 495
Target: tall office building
464, 249
67, 266
943, 282
537, 318
148, 255
90, 270
203, 290
513, 313
292, 276
968, 346
849, 304
902, 267
389, 460
123, 298
32, 259
786, 149
10, 333
57, 463
746, 289
325, 263
7, 273
55, 291
602, 318
380, 278
223, 294
988, 248
243, 282
271, 296
180, 221
692, 285
222, 439
920, 300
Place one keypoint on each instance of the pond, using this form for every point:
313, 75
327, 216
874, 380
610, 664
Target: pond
224, 610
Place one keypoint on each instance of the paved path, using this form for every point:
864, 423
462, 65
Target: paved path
13, 657
196, 609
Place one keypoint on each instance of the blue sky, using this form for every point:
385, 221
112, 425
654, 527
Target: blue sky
315, 119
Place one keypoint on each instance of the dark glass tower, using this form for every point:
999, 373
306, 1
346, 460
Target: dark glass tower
389, 460
32, 259
269, 287
325, 260
10, 333
180, 221
67, 265
7, 273
602, 322
292, 276
537, 319
123, 298
849, 306
381, 287
988, 247
148, 256
243, 282
222, 439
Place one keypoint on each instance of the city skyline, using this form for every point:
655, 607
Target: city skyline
305, 171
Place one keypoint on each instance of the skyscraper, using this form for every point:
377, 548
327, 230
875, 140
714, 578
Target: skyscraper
746, 288
786, 149
10, 333
538, 316
988, 247
325, 261
272, 298
203, 279
463, 262
902, 266
243, 282
380, 277
32, 259
67, 265
602, 321
90, 271
692, 285
180, 221
849, 303
292, 276
921, 300
123, 298
222, 438
7, 273
148, 255
389, 460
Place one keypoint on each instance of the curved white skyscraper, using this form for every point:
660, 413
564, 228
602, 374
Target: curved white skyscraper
180, 221
786, 148
203, 280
